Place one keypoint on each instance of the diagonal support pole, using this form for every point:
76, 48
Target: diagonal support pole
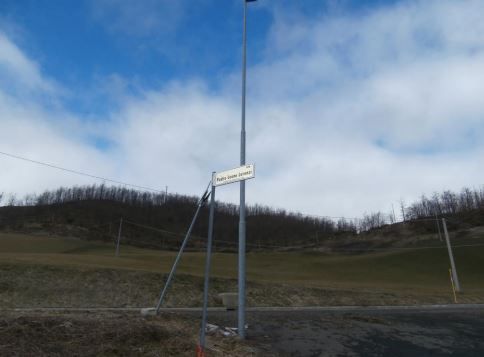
207, 270
201, 202
119, 237
451, 257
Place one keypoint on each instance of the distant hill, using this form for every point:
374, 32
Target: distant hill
153, 220
94, 213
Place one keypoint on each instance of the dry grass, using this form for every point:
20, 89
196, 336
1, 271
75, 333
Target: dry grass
49, 271
38, 271
27, 286
109, 335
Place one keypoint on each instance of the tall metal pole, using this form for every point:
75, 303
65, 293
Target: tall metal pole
207, 269
241, 305
119, 236
451, 257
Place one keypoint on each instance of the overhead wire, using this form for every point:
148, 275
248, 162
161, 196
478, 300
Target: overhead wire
256, 245
153, 228
160, 191
80, 172
200, 240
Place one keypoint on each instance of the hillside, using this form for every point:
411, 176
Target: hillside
156, 221
43, 271
94, 213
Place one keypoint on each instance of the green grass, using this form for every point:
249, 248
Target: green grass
421, 272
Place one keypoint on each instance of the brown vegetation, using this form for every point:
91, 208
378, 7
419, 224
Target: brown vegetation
108, 334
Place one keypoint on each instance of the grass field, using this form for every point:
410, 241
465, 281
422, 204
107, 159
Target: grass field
52, 271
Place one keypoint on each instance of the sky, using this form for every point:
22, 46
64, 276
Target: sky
352, 105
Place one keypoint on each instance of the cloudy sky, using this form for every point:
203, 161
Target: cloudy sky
351, 106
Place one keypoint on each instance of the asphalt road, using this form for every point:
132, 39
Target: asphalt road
365, 332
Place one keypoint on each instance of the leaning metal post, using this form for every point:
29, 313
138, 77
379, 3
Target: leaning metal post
207, 268
201, 202
119, 236
451, 257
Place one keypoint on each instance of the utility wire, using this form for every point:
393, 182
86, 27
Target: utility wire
129, 184
329, 217
256, 245
79, 172
154, 228
200, 238
160, 191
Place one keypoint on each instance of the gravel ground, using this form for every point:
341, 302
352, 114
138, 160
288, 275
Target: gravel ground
365, 333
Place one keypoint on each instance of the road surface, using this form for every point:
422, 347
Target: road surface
365, 332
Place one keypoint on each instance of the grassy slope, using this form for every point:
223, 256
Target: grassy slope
137, 273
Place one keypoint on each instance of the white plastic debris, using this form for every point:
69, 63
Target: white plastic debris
213, 329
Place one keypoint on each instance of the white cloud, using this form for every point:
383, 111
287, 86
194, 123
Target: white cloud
32, 127
345, 115
16, 70
405, 73
34, 134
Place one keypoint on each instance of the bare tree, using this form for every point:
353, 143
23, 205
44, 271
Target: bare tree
12, 199
402, 209
391, 217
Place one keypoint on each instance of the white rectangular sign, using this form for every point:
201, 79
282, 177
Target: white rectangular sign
230, 176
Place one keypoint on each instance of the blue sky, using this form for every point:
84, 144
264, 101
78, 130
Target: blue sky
352, 105
81, 43
149, 43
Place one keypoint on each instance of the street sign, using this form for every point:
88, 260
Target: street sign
234, 175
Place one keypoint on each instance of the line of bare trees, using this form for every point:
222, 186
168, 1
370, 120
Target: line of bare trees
447, 203
101, 203
266, 225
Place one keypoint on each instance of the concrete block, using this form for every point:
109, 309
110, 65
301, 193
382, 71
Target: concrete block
230, 300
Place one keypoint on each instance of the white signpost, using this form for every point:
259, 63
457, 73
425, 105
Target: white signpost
241, 173
234, 175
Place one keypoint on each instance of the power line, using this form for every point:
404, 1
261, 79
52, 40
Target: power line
263, 245
320, 216
144, 187
200, 238
154, 229
79, 172
129, 184
401, 248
